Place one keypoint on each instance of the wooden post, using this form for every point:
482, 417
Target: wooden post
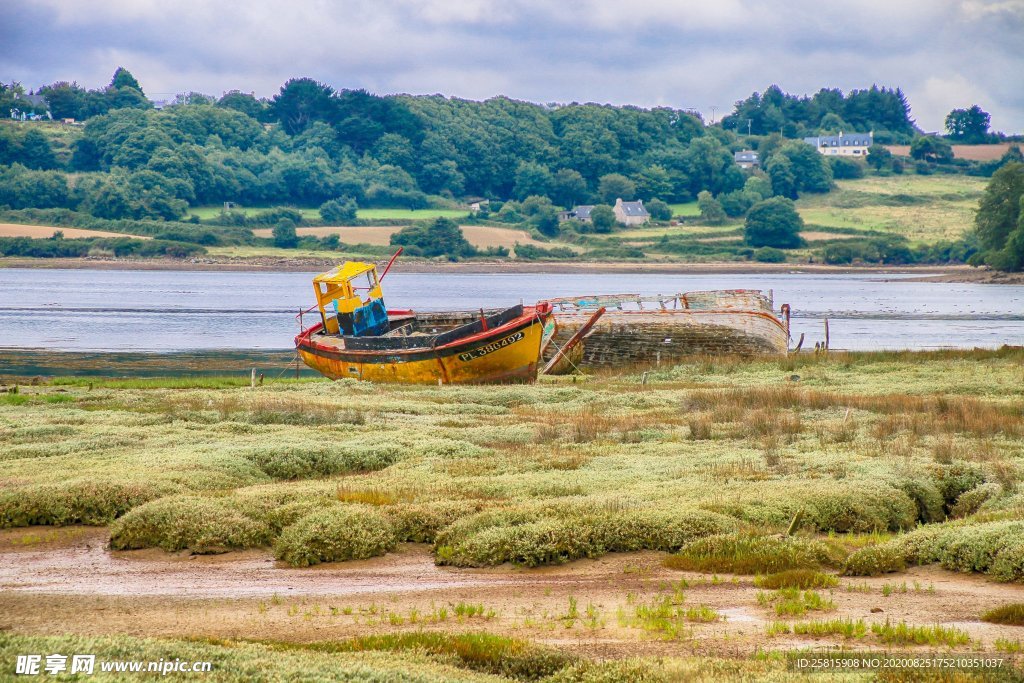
252, 379
826, 334
799, 343
643, 378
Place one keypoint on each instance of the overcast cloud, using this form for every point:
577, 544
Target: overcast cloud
943, 53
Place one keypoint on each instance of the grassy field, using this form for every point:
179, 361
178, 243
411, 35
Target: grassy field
709, 480
480, 236
924, 209
686, 209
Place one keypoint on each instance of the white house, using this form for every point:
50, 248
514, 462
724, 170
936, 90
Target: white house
630, 213
747, 159
852, 144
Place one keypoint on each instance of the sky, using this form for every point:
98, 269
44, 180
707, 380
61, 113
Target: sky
686, 54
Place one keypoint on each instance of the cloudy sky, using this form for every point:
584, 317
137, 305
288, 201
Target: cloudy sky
680, 53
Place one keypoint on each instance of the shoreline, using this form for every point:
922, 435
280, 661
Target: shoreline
965, 274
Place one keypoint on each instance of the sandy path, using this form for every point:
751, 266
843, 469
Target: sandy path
44, 231
65, 581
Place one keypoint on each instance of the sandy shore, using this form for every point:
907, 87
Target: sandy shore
923, 273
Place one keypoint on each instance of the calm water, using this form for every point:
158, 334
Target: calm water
172, 310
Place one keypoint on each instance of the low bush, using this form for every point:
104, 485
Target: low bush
72, 502
874, 560
530, 252
556, 536
334, 534
420, 523
769, 255
969, 502
202, 525
1012, 614
499, 655
336, 458
796, 578
750, 554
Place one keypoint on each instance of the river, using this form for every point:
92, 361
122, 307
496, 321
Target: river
133, 310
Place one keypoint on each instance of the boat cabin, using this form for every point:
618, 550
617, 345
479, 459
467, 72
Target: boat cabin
350, 300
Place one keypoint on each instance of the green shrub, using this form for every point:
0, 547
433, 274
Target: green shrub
556, 536
769, 255
421, 522
874, 560
499, 655
749, 554
72, 502
530, 252
796, 578
927, 498
969, 502
1012, 614
859, 508
338, 533
336, 458
202, 525
957, 478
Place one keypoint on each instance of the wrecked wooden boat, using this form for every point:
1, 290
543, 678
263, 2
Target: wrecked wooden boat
358, 337
637, 329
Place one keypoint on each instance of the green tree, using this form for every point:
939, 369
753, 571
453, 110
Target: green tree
931, 149
532, 179
439, 237
846, 169
568, 188
123, 79
546, 221
659, 210
602, 218
612, 186
773, 223
285, 236
999, 222
711, 210
879, 157
339, 210
968, 125
300, 102
36, 151
244, 103
653, 181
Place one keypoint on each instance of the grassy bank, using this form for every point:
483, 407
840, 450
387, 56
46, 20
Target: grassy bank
535, 474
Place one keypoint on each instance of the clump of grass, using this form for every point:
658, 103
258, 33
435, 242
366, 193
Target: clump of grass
1012, 614
749, 554
202, 525
1009, 646
489, 653
874, 560
796, 578
700, 428
905, 634
338, 533
792, 602
778, 628
357, 455
667, 617
523, 537
847, 628
367, 496
76, 501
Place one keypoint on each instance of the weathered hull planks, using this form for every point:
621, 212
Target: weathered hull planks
623, 338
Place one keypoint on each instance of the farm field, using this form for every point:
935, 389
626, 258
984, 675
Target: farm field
571, 529
924, 209
46, 231
478, 235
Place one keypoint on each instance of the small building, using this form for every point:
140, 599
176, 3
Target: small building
630, 213
852, 144
577, 213
476, 205
747, 159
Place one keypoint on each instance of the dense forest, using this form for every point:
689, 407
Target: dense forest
311, 144
117, 157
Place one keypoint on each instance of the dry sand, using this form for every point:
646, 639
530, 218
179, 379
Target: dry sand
64, 580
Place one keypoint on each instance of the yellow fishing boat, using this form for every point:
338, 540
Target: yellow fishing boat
358, 337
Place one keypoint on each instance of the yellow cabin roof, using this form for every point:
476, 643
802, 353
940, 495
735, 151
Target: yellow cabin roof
344, 272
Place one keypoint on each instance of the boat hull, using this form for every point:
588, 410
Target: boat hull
731, 322
509, 353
